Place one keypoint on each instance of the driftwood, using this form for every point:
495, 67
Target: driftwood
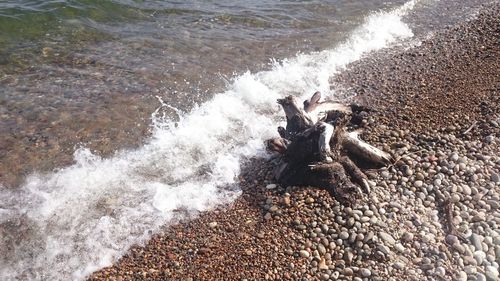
317, 149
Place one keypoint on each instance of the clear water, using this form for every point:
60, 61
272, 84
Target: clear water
88, 72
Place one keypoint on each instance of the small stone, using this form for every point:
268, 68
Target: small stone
304, 253
418, 183
348, 271
466, 190
321, 249
491, 273
309, 200
212, 224
325, 276
451, 239
268, 216
479, 256
455, 198
271, 186
459, 248
384, 249
407, 171
398, 265
368, 237
400, 248
480, 277
461, 276
470, 269
365, 272
469, 260
348, 256
476, 241
286, 201
454, 157
387, 238
495, 178
440, 271
407, 237
344, 235
479, 217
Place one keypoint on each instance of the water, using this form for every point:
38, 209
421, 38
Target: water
190, 86
88, 72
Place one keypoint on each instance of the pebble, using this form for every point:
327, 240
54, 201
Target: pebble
418, 183
407, 237
212, 224
451, 239
387, 238
475, 239
348, 271
479, 256
495, 178
384, 249
344, 235
480, 277
470, 269
348, 256
461, 276
459, 248
399, 247
365, 272
440, 271
491, 273
286, 200
321, 249
271, 186
398, 265
309, 200
304, 253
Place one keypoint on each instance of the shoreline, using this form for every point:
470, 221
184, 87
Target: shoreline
438, 109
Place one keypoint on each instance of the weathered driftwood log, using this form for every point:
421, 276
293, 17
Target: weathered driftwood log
353, 144
315, 148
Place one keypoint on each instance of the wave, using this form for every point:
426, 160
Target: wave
69, 223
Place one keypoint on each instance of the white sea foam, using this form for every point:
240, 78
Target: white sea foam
67, 224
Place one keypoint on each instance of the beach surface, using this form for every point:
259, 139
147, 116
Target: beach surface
433, 215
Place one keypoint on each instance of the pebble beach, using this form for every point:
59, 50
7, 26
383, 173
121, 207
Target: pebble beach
432, 215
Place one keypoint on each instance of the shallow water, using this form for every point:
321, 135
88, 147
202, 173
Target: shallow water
87, 72
188, 88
